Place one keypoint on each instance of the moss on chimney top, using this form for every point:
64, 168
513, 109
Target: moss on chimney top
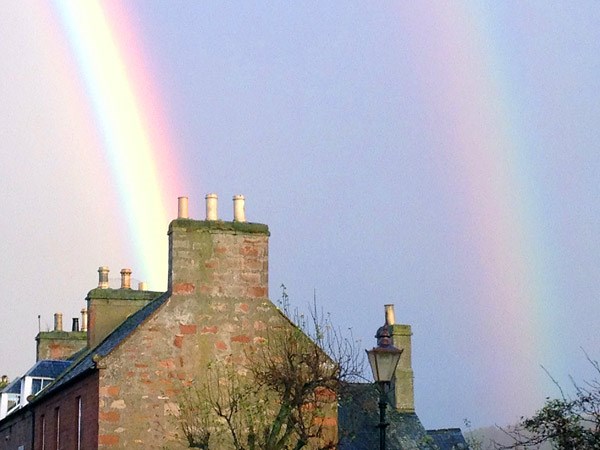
122, 294
219, 225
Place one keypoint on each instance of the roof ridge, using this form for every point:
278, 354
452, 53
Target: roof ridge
86, 361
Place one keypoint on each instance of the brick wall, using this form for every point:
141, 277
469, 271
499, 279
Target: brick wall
59, 417
16, 430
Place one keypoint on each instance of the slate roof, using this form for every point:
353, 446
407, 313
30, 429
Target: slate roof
448, 439
86, 360
358, 416
14, 387
48, 368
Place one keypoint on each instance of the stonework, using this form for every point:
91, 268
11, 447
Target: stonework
108, 308
59, 344
145, 348
216, 310
403, 385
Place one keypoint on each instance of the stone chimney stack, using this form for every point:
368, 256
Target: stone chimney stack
182, 208
58, 343
211, 207
125, 278
58, 325
103, 277
239, 210
219, 258
403, 386
84, 320
107, 308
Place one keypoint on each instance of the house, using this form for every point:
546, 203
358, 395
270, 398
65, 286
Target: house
117, 383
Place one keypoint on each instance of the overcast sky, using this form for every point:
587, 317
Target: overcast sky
443, 157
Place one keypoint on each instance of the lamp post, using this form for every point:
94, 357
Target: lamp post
383, 360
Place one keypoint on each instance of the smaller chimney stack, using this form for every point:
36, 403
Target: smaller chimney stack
75, 326
142, 286
182, 208
403, 384
239, 210
58, 322
103, 277
390, 319
84, 319
211, 207
125, 278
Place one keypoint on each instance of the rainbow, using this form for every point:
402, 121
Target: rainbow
483, 159
128, 113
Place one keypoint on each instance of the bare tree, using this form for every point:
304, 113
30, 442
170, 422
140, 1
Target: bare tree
567, 423
283, 397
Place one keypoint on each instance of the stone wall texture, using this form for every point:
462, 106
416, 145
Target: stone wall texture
218, 309
59, 344
403, 389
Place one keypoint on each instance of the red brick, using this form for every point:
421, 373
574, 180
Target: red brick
257, 291
241, 338
324, 394
220, 345
325, 421
242, 307
108, 440
248, 250
110, 391
178, 341
184, 288
187, 328
221, 250
109, 416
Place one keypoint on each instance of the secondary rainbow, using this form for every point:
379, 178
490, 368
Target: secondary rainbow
469, 104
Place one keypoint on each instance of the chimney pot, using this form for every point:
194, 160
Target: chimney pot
58, 326
182, 208
125, 278
75, 326
390, 319
103, 277
84, 319
142, 286
211, 207
239, 210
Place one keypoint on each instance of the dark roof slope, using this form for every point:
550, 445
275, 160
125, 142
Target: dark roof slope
449, 439
48, 368
358, 416
14, 387
86, 361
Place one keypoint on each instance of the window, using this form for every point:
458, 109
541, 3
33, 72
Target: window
43, 432
57, 427
14, 401
79, 423
37, 384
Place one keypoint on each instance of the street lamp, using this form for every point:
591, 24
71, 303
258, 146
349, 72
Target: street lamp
383, 360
